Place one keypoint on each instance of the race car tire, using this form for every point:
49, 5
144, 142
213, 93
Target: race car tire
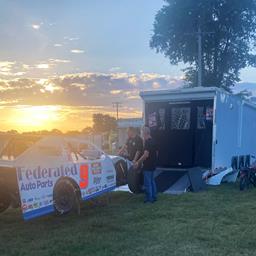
135, 180
121, 172
5, 198
66, 197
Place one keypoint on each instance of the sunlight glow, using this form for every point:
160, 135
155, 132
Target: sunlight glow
36, 117
36, 26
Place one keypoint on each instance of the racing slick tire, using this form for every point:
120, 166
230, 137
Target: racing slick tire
5, 198
121, 172
66, 197
135, 180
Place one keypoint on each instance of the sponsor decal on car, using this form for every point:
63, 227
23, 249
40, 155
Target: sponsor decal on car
39, 177
96, 180
30, 207
93, 190
96, 168
84, 176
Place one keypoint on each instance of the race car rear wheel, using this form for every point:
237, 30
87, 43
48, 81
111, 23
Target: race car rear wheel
135, 180
5, 198
66, 197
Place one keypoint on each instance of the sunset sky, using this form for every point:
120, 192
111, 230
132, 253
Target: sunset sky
61, 61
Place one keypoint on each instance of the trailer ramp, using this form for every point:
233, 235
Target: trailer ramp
175, 182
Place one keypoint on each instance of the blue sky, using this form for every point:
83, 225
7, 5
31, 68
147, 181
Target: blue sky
111, 33
62, 60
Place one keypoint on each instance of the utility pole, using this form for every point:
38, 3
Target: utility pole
116, 105
199, 35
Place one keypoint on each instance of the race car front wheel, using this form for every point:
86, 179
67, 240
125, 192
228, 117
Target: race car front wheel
5, 198
135, 180
121, 172
66, 197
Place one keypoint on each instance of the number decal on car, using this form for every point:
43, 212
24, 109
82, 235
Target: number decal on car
84, 176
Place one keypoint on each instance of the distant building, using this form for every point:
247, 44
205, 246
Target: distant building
124, 124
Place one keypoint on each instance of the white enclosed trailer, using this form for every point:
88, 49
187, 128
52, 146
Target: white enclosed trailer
206, 127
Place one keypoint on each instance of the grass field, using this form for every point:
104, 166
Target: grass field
219, 221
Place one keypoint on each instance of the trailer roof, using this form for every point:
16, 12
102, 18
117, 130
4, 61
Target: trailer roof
181, 94
195, 93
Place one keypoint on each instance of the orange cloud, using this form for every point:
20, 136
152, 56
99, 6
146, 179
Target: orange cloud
68, 102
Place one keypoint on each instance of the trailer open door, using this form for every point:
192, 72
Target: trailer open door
183, 132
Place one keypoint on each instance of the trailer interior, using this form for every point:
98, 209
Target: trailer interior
183, 131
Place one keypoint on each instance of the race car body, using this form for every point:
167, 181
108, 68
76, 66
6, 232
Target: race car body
55, 173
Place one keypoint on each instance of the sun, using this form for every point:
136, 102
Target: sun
36, 117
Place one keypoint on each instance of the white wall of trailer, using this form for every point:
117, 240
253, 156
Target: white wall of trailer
234, 129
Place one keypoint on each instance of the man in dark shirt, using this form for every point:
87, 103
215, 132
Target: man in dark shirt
148, 161
133, 145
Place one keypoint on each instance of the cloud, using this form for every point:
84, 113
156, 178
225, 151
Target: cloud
245, 86
58, 61
43, 66
81, 95
57, 45
77, 51
35, 26
96, 89
156, 85
6, 67
14, 69
114, 69
114, 92
71, 38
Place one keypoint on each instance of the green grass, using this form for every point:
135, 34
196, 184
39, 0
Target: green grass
219, 221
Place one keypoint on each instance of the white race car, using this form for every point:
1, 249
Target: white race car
56, 173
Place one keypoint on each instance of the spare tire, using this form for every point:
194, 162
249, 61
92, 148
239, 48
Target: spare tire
135, 180
121, 172
66, 197
5, 198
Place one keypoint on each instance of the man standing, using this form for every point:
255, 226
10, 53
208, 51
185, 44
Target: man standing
148, 161
133, 145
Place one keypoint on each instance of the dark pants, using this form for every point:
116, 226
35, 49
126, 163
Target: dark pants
150, 186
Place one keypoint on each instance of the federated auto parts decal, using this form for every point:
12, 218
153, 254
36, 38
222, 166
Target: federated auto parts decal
36, 184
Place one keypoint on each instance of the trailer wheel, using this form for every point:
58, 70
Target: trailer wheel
135, 180
121, 172
66, 197
5, 198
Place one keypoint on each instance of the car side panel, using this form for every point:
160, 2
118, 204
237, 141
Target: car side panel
36, 184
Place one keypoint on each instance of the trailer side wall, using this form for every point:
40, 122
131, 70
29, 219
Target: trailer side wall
235, 127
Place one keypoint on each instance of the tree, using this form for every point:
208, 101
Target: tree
87, 130
226, 50
103, 123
